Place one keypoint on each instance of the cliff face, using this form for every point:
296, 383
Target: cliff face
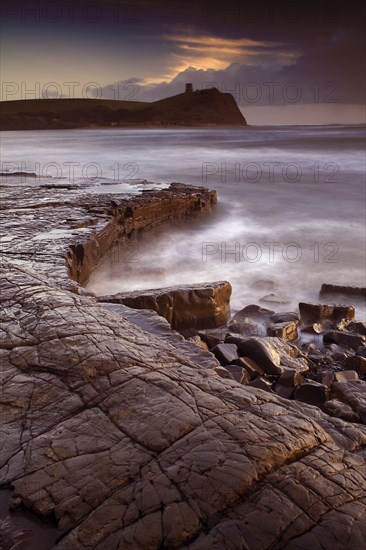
200, 108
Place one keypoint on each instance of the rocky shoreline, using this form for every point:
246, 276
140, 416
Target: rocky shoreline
131, 435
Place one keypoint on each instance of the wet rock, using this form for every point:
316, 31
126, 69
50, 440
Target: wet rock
287, 392
315, 328
339, 357
67, 233
329, 289
262, 352
238, 373
265, 284
287, 383
261, 384
225, 353
224, 373
244, 326
212, 338
287, 331
358, 327
250, 366
286, 317
270, 354
346, 339
250, 321
123, 437
291, 378
205, 305
313, 313
342, 376
275, 299
312, 393
255, 312
361, 350
356, 362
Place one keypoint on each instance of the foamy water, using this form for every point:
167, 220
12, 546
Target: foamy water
290, 213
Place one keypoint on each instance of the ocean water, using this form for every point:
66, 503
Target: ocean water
290, 212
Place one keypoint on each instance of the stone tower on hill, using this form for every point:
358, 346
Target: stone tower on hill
189, 88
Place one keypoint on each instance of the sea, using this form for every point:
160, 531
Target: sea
290, 213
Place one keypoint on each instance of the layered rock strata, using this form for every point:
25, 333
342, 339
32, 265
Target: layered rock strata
128, 437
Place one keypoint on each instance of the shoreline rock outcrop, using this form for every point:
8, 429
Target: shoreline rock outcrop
66, 232
126, 435
200, 306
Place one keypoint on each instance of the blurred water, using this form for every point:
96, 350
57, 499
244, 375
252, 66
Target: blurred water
291, 203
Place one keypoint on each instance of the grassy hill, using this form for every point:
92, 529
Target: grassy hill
199, 108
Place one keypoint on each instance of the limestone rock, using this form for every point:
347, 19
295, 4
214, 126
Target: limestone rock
286, 330
127, 441
314, 313
346, 339
330, 289
312, 392
225, 353
270, 354
205, 305
356, 362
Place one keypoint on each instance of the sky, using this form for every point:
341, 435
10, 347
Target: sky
284, 62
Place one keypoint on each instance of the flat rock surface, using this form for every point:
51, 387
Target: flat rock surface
131, 443
64, 230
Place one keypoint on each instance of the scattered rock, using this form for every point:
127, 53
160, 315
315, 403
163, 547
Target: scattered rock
261, 384
254, 312
361, 350
225, 353
286, 317
286, 330
315, 328
275, 299
358, 327
223, 373
238, 373
244, 326
346, 339
329, 289
313, 313
212, 337
313, 393
250, 366
265, 284
287, 392
339, 357
291, 378
340, 376
357, 363
262, 352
